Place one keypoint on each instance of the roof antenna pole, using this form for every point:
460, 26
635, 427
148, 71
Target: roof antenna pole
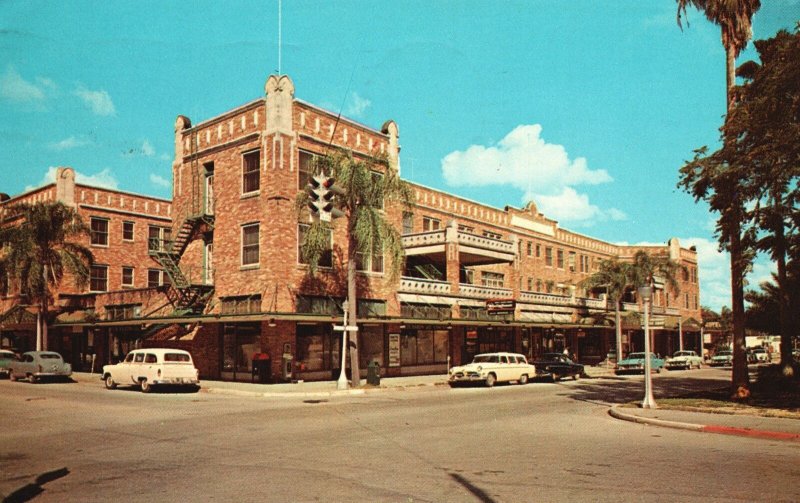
279, 36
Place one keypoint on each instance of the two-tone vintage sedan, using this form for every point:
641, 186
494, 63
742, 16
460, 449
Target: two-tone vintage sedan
635, 363
556, 366
148, 368
37, 365
684, 360
723, 358
491, 368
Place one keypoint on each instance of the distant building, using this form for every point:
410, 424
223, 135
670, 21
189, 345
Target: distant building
476, 278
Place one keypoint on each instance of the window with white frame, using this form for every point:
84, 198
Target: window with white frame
560, 259
370, 262
548, 257
492, 279
127, 231
99, 231
304, 169
431, 224
251, 171
250, 244
98, 278
127, 276
408, 222
158, 238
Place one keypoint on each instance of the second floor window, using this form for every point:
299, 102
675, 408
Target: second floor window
156, 278
127, 276
304, 171
99, 231
251, 171
98, 279
492, 279
560, 259
158, 238
372, 262
431, 224
250, 244
408, 222
548, 256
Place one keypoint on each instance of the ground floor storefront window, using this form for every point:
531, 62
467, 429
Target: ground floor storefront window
318, 348
370, 345
424, 346
240, 342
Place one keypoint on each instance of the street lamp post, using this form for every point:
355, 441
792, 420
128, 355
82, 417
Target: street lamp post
649, 402
342, 382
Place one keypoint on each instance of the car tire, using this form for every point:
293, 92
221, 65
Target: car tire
109, 382
146, 387
555, 377
490, 380
523, 379
658, 370
575, 377
32, 379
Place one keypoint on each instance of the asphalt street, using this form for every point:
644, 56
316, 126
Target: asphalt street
540, 442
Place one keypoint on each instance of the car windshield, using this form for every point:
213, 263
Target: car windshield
636, 356
682, 353
724, 353
49, 356
177, 357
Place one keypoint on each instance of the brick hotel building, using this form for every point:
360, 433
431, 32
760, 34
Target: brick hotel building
219, 273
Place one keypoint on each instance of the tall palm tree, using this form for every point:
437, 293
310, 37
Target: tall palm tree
39, 251
734, 17
646, 268
615, 277
368, 185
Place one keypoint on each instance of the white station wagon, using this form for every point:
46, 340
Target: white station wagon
490, 368
153, 367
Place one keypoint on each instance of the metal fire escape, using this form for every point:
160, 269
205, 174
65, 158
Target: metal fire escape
186, 295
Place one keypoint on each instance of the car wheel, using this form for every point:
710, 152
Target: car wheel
146, 388
575, 377
490, 380
523, 379
554, 377
110, 384
32, 379
11, 376
658, 370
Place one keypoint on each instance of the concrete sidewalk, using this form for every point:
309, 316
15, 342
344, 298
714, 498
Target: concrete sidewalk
772, 428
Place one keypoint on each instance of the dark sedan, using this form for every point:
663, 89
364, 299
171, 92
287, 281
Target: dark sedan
556, 366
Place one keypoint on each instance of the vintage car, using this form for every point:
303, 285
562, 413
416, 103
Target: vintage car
38, 365
635, 363
490, 368
147, 368
6, 357
556, 366
760, 355
723, 358
684, 360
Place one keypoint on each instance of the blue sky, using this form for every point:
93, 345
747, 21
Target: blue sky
587, 107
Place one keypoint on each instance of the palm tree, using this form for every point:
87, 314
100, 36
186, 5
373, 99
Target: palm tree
368, 185
615, 277
734, 18
39, 252
646, 268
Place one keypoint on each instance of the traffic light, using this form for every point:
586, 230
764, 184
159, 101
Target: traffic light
321, 191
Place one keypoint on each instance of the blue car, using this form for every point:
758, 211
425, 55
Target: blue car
634, 363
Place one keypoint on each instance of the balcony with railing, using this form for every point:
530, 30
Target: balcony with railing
473, 249
484, 292
424, 286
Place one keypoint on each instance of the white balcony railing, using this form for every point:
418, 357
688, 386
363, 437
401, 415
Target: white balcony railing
484, 292
424, 286
423, 239
492, 244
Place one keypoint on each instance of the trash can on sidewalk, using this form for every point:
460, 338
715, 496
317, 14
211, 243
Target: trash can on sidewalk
262, 368
373, 373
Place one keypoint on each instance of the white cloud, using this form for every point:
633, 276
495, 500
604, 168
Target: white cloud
103, 179
147, 149
571, 206
357, 105
98, 101
15, 88
159, 181
544, 171
69, 143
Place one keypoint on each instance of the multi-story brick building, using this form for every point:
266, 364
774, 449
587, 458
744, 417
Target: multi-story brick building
121, 228
476, 278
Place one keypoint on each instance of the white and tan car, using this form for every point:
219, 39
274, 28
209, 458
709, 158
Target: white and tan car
491, 368
684, 360
147, 368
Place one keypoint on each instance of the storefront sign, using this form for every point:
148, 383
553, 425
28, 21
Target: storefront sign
394, 350
500, 306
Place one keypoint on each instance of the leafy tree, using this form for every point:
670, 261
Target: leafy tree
369, 185
718, 181
763, 129
614, 277
39, 252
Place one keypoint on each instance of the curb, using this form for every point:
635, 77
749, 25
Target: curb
615, 412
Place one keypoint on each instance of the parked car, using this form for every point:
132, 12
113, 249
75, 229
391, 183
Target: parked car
491, 368
722, 358
6, 357
37, 365
635, 363
147, 368
760, 355
684, 360
556, 366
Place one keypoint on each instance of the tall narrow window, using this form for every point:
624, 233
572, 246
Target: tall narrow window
304, 170
127, 276
127, 231
250, 244
251, 171
560, 259
548, 256
99, 231
154, 278
408, 222
98, 279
